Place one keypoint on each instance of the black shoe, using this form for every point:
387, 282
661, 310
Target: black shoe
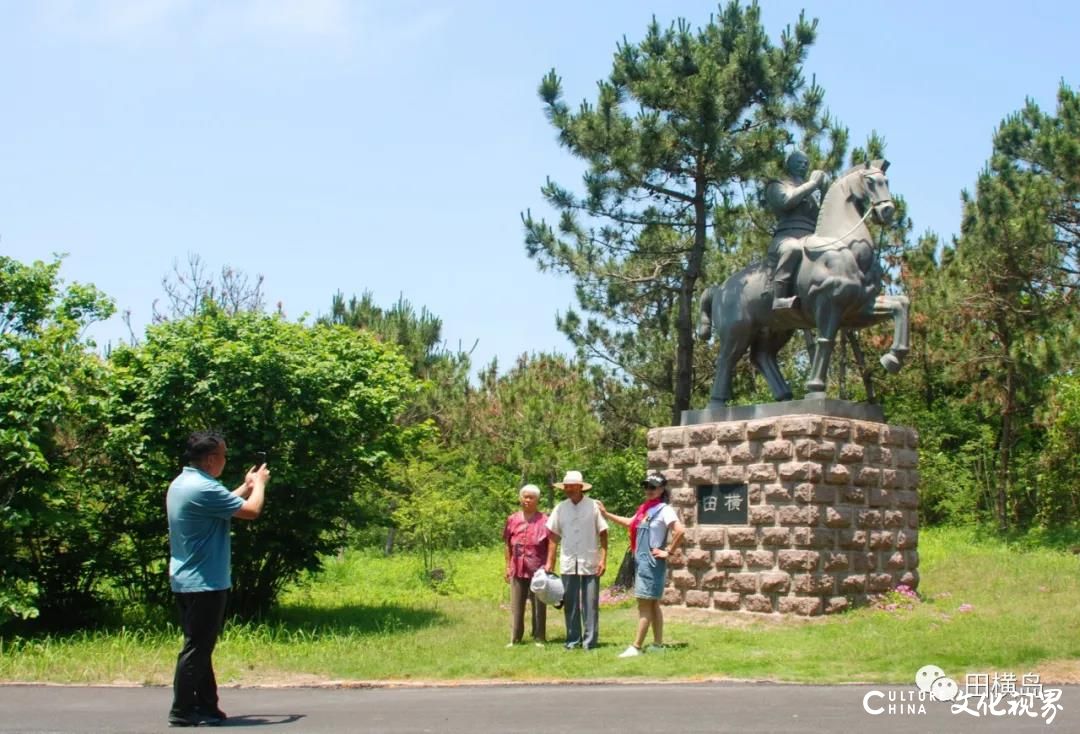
211, 712
191, 719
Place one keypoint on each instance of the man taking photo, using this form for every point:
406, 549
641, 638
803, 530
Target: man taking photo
200, 554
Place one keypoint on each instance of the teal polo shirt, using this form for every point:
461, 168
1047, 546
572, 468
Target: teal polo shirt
200, 547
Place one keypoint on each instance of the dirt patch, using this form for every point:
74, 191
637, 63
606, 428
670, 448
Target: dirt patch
737, 620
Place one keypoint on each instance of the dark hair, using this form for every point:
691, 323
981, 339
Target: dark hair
200, 445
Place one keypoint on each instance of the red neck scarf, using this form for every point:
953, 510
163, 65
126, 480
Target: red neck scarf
642, 510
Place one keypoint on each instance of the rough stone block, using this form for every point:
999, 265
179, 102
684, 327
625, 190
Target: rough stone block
711, 537
853, 495
892, 479
801, 605
835, 561
881, 539
682, 579
851, 539
728, 600
866, 433
913, 438
910, 579
672, 596
684, 457
673, 437
760, 559
906, 458
744, 453
794, 515
698, 558
777, 537
912, 479
894, 518
815, 493
881, 497
813, 537
754, 494
761, 473
713, 580
812, 583
730, 432
761, 429
912, 519
658, 459
677, 559
744, 583
713, 454
836, 604
863, 562
728, 559
698, 475
835, 518
778, 450
704, 433
758, 603
730, 474
652, 438
896, 561
868, 476
777, 493
801, 425
697, 599
879, 582
683, 496
801, 471
762, 515
742, 537
893, 436
837, 428
868, 519
907, 539
775, 582
911, 559
811, 449
837, 474
851, 453
853, 584
797, 560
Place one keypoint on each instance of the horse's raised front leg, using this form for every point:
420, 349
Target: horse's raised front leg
895, 307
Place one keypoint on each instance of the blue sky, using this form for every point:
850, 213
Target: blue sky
391, 146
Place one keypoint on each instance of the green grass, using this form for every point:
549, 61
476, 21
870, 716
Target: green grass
367, 617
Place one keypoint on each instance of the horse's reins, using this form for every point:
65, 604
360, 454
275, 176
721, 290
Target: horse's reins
844, 236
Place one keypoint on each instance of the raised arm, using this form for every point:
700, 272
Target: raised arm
617, 519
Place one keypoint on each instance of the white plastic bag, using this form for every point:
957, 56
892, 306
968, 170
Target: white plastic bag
547, 587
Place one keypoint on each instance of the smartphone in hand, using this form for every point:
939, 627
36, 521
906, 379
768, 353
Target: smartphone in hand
259, 458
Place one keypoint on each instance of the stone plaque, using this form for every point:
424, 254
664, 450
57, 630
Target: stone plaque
722, 504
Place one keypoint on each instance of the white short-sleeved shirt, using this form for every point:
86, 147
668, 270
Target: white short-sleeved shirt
658, 528
578, 527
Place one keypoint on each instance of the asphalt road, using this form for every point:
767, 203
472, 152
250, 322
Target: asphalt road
661, 708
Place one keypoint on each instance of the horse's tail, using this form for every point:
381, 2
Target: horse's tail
704, 329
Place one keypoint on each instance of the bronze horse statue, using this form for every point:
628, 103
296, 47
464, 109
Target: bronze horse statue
838, 286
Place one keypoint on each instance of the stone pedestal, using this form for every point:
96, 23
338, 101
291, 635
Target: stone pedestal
832, 512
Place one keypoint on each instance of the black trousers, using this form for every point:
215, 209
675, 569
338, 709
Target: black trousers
202, 615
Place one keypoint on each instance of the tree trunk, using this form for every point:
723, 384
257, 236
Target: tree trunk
1005, 448
684, 324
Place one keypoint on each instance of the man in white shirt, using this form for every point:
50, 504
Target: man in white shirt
577, 528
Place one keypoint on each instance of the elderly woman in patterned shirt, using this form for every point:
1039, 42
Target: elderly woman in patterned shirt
526, 538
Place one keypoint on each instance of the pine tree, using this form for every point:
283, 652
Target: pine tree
683, 121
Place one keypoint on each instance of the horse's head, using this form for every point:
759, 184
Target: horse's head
875, 193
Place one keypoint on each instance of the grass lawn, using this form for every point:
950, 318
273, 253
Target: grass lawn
370, 618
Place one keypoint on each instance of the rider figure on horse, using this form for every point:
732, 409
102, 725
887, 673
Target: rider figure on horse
795, 202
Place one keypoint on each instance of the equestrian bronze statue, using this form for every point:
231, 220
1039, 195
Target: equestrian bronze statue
837, 286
